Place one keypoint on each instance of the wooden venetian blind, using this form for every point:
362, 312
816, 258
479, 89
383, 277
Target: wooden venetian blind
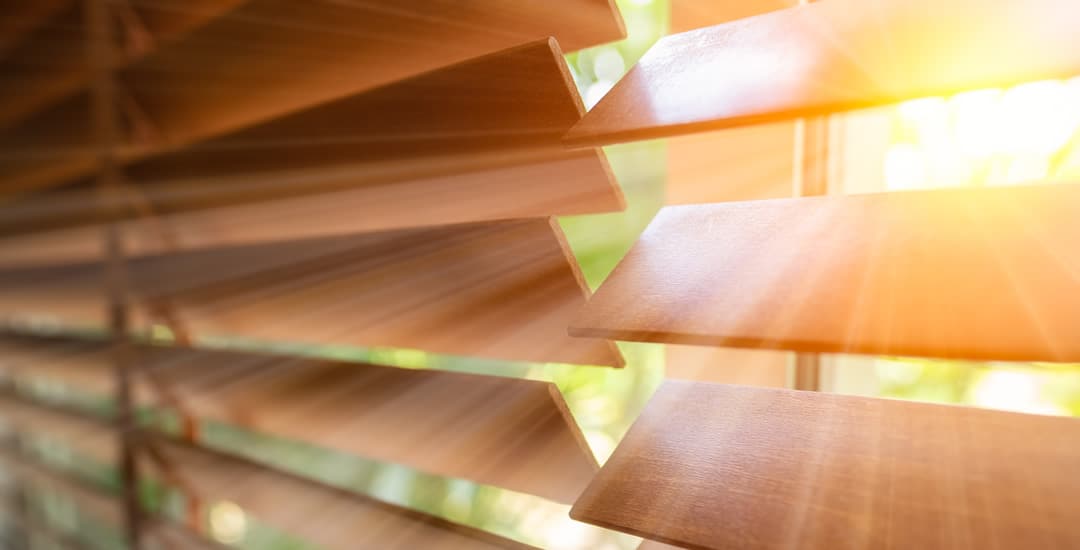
986, 274
352, 173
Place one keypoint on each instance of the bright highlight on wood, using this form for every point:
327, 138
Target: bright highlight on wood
832, 56
731, 467
972, 274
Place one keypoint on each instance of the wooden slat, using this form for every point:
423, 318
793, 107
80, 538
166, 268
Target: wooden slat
754, 163
653, 545
687, 15
505, 432
499, 289
713, 466
975, 274
346, 519
49, 64
832, 56
23, 17
328, 518
268, 58
272, 57
453, 145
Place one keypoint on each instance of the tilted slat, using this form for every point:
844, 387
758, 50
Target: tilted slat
450, 424
498, 289
974, 274
476, 141
327, 517
50, 64
713, 466
47, 47
344, 519
688, 15
271, 57
756, 162
268, 58
653, 545
24, 17
832, 56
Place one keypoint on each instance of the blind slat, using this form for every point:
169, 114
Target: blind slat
268, 58
49, 64
971, 274
713, 466
345, 520
449, 424
832, 56
504, 290
476, 141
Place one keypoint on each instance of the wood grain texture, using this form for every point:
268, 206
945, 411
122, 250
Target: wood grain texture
832, 56
718, 467
506, 432
975, 274
505, 290
268, 58
687, 15
449, 146
48, 63
347, 520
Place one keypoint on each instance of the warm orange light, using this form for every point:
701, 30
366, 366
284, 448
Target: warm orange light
1023, 134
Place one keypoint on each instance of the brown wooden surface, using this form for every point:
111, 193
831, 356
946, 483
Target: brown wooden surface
832, 56
688, 15
653, 545
713, 466
268, 58
24, 17
346, 520
506, 432
975, 274
329, 518
476, 141
505, 290
48, 62
524, 189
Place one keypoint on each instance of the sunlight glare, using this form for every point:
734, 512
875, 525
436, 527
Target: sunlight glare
905, 167
228, 523
1012, 391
